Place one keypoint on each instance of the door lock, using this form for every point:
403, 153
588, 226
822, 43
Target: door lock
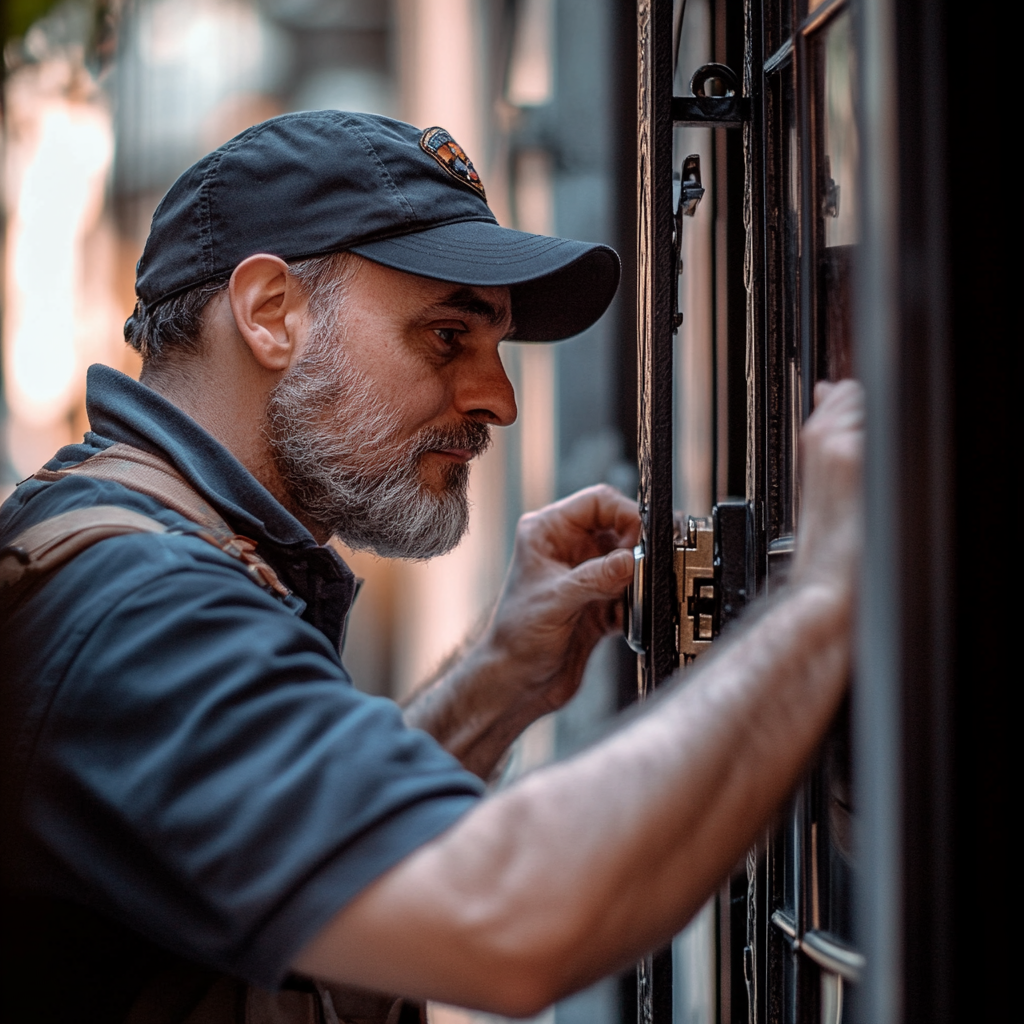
713, 579
696, 589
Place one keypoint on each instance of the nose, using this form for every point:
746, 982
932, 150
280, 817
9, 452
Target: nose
485, 393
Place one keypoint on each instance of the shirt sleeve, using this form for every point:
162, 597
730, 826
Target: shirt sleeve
202, 770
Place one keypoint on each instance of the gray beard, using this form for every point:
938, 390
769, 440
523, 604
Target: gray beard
335, 446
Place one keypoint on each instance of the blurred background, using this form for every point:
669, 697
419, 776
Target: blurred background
106, 102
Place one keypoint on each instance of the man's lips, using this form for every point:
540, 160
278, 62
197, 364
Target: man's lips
455, 454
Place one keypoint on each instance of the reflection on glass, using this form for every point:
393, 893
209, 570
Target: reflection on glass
840, 170
834, 851
831, 998
837, 157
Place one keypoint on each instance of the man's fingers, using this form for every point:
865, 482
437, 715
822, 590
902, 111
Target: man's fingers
599, 508
842, 399
603, 577
821, 392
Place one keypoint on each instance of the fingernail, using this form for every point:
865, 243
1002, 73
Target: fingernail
622, 561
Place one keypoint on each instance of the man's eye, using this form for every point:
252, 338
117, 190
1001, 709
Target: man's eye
446, 334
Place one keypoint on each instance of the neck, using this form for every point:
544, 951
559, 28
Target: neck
232, 413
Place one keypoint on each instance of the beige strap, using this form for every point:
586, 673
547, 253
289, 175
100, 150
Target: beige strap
45, 547
150, 475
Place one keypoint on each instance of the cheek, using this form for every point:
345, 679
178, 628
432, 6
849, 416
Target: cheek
412, 390
416, 399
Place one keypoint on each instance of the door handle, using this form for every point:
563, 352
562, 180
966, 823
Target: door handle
635, 603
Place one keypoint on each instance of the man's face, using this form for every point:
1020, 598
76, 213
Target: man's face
373, 427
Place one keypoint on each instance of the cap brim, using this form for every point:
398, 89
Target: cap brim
559, 287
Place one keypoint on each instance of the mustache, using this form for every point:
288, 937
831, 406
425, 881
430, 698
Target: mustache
470, 436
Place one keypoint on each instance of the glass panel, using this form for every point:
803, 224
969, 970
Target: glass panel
835, 832
835, 238
841, 143
837, 158
831, 998
778, 24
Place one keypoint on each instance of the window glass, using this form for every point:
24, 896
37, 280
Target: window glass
778, 24
835, 237
836, 180
840, 168
835, 832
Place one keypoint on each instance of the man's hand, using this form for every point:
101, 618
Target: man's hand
571, 563
831, 454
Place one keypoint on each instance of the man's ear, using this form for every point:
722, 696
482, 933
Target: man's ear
268, 305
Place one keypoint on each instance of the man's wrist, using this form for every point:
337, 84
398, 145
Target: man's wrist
476, 710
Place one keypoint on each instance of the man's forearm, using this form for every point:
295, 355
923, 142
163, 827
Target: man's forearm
472, 711
571, 563
586, 864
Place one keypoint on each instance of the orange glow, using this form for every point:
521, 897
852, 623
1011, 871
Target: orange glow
59, 309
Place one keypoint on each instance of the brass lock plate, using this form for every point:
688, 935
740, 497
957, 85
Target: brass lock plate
696, 624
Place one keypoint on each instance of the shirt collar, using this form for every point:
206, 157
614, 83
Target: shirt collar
122, 409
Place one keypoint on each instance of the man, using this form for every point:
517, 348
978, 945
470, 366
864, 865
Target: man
195, 790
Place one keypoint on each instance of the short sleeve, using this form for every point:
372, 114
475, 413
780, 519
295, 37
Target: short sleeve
204, 773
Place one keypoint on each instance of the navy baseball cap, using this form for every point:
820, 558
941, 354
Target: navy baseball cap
323, 181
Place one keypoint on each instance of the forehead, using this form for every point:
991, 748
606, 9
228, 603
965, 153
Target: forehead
412, 295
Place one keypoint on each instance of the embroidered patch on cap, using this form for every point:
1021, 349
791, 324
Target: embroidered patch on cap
452, 157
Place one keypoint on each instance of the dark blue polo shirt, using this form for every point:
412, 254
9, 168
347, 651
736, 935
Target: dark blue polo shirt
188, 763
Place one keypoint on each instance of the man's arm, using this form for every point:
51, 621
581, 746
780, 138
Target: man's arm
585, 865
569, 568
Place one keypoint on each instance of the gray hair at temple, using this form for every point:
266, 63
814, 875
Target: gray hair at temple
175, 325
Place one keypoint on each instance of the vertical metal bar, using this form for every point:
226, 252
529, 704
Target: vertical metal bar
914, 746
655, 307
807, 278
655, 281
755, 958
876, 697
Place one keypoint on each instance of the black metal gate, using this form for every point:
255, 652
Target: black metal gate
836, 159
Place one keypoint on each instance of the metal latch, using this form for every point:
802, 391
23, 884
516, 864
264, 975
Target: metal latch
696, 588
713, 579
687, 192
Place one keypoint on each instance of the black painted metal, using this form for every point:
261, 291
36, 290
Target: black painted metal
730, 362
728, 110
656, 285
733, 564
760, 956
655, 307
624, 68
758, 323
710, 111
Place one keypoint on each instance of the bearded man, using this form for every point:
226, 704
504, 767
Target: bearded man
208, 822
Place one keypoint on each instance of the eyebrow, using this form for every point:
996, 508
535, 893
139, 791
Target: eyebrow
465, 300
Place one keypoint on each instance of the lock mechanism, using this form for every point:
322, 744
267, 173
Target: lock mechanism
696, 588
713, 579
